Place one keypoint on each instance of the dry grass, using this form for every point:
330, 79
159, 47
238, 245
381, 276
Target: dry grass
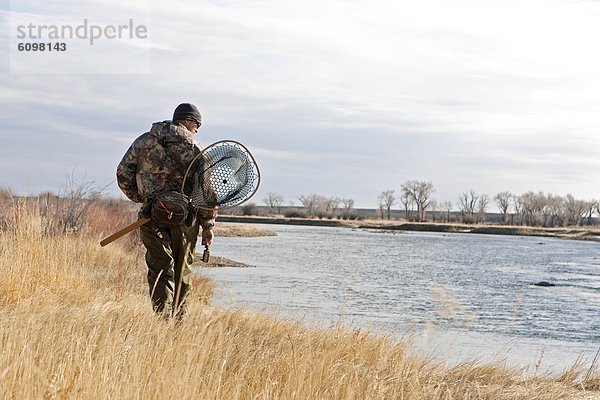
75, 323
228, 229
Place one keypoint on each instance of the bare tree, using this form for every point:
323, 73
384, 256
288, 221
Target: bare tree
407, 201
574, 210
598, 207
556, 207
526, 201
503, 201
591, 207
482, 205
546, 210
532, 206
518, 207
320, 206
348, 205
420, 192
433, 206
310, 202
467, 201
274, 201
331, 204
386, 201
447, 207
539, 209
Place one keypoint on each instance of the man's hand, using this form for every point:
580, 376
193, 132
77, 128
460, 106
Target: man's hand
207, 237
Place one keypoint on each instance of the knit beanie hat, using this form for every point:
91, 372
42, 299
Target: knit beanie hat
187, 111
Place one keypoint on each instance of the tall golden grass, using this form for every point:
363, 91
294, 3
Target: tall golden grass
76, 323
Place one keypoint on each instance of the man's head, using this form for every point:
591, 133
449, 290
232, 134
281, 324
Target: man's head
187, 115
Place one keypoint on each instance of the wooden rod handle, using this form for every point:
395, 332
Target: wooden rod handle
124, 231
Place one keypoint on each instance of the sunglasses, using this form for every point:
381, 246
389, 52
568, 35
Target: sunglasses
196, 122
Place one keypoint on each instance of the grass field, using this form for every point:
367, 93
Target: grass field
76, 323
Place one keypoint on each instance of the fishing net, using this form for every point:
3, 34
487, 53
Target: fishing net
223, 175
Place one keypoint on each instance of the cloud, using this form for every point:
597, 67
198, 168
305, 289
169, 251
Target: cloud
467, 94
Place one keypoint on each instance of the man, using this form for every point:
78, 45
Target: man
156, 162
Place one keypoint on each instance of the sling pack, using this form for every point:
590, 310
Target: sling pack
170, 208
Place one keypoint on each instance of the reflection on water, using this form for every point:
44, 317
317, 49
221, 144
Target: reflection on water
457, 292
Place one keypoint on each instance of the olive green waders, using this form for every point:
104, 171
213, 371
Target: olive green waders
169, 256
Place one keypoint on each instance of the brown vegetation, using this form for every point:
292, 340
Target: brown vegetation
240, 230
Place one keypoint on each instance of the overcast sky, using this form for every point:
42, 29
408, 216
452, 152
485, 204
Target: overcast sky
339, 98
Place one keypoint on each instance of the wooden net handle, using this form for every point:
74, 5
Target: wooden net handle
124, 231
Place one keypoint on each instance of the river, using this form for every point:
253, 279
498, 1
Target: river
455, 296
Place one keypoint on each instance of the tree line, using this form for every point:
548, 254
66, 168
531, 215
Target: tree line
314, 205
415, 202
530, 208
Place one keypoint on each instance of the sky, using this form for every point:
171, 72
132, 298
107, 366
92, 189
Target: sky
338, 98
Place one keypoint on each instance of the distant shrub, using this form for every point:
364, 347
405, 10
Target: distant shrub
6, 199
5, 194
250, 209
294, 214
108, 215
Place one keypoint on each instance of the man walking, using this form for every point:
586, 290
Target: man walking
155, 163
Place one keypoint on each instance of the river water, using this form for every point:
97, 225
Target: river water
455, 296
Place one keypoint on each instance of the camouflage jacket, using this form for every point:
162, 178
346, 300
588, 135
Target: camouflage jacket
156, 162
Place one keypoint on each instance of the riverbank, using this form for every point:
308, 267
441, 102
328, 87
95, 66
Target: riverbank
76, 323
573, 233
